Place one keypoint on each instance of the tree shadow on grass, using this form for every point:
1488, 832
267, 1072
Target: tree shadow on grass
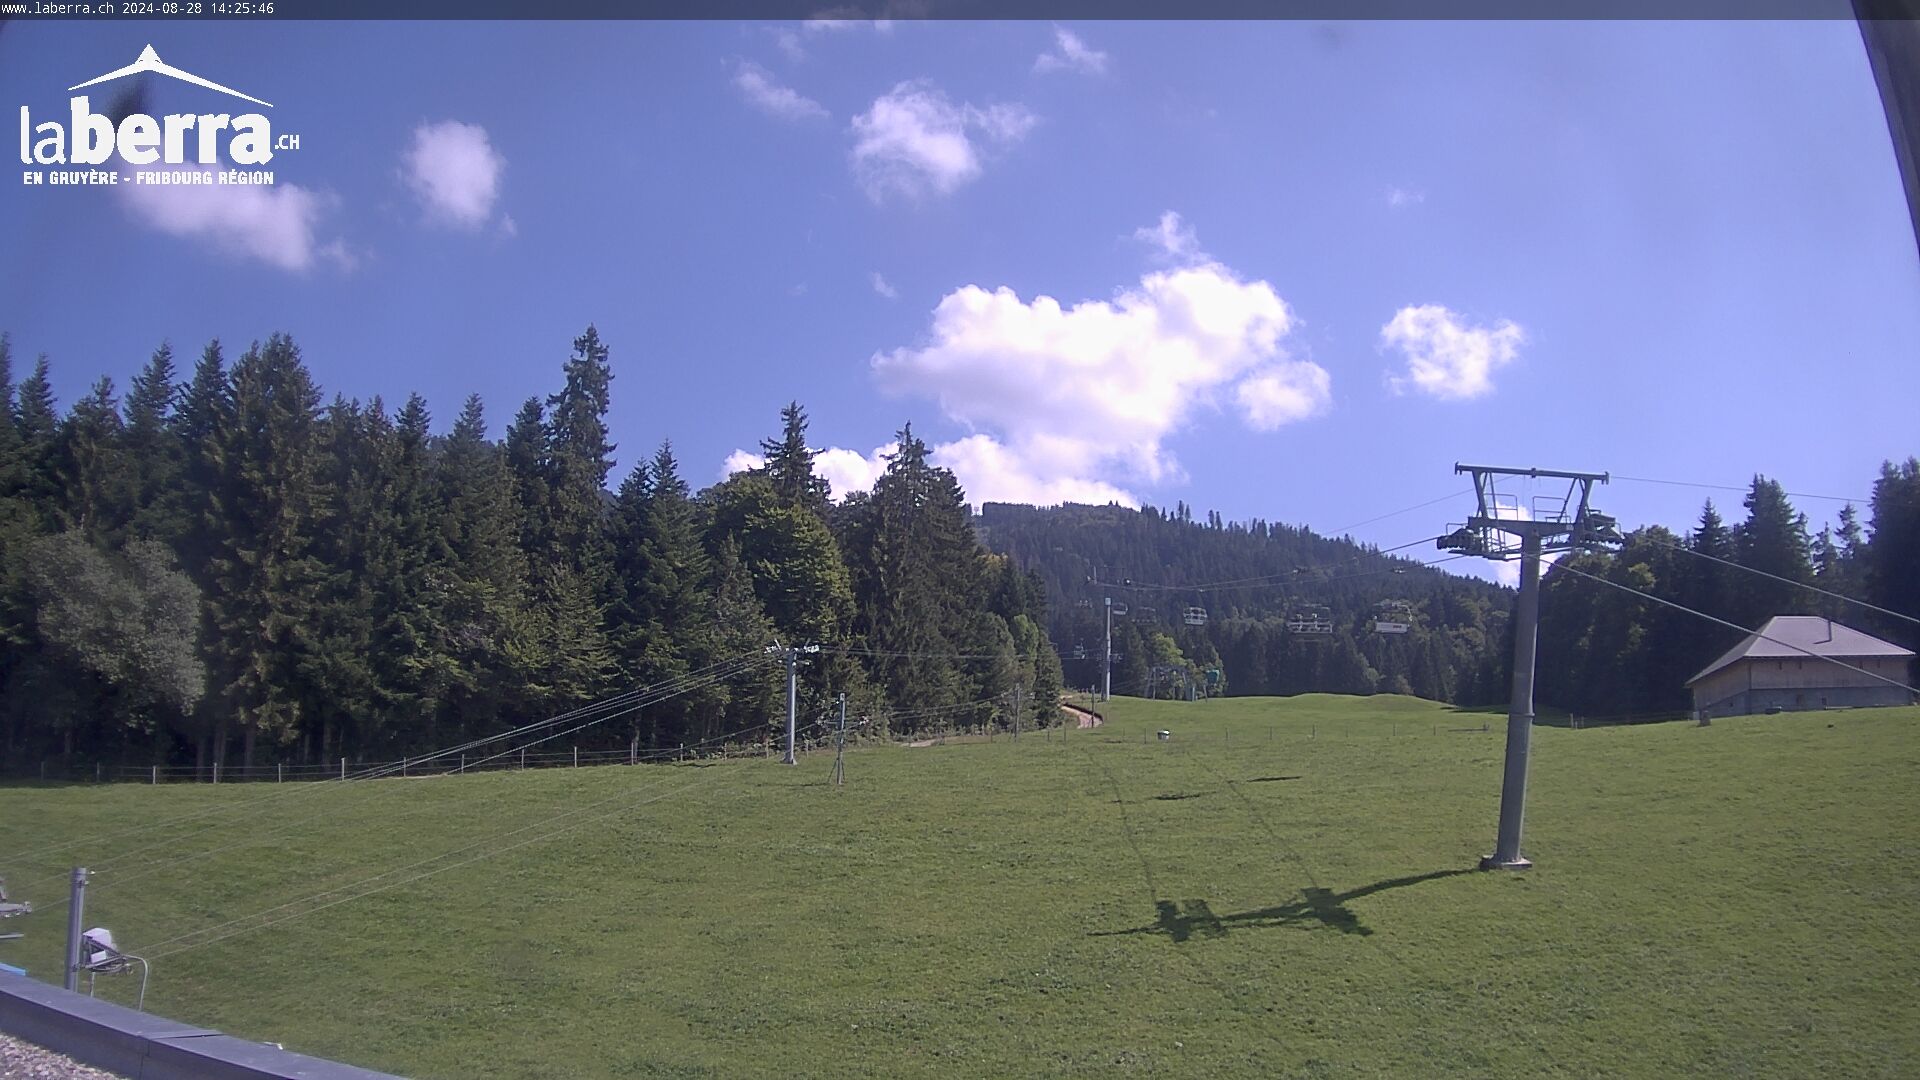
1324, 907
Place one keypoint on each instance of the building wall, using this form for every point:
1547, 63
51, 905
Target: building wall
1757, 685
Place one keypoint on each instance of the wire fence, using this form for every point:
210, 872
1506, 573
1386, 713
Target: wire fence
55, 771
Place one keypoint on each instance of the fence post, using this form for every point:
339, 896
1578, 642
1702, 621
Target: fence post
403, 766
343, 768
156, 775
523, 758
576, 756
96, 772
216, 772
280, 773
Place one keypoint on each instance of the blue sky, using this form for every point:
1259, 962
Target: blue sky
1297, 270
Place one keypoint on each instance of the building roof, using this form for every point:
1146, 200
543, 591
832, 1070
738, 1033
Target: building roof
1796, 636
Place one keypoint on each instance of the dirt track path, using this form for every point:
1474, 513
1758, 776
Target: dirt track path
1086, 719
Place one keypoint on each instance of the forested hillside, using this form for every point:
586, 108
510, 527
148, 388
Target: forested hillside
1159, 564
222, 564
1604, 651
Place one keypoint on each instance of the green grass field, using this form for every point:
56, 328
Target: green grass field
1281, 890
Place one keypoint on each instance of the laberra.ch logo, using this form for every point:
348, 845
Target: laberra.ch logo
192, 143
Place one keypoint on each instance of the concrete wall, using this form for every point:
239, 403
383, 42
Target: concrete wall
141, 1046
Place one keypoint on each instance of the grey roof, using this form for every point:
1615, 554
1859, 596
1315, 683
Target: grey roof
1811, 634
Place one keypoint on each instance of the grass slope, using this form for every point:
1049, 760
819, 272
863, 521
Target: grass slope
1281, 890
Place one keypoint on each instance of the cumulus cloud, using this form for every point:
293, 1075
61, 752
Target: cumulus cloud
1284, 394
991, 472
1173, 238
455, 171
846, 471
1060, 398
760, 90
278, 224
915, 142
1448, 358
881, 286
1069, 53
741, 461
1399, 198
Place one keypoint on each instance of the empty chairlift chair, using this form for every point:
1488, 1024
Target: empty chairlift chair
1194, 616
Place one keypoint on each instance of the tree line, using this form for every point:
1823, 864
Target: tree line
1605, 651
227, 563
1160, 564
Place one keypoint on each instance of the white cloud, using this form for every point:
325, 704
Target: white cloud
1070, 54
1398, 197
1446, 357
741, 461
1174, 237
1063, 399
914, 142
761, 91
455, 171
1285, 393
991, 472
848, 471
789, 42
881, 286
276, 224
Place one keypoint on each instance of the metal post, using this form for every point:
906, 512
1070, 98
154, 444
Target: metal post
1106, 692
343, 768
156, 774
216, 772
1513, 784
793, 702
840, 747
76, 905
1016, 713
280, 773
576, 757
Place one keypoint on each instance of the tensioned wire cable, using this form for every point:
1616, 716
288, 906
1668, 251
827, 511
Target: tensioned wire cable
1787, 581
1732, 487
368, 774
183, 942
721, 738
664, 692
1403, 510
1558, 567
119, 877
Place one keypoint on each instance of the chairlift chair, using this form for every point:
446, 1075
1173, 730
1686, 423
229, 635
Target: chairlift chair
1312, 621
1392, 617
1194, 616
98, 956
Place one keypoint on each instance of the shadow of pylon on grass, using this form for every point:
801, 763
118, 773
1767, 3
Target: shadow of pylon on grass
1188, 918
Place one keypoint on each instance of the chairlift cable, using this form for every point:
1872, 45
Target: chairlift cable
1788, 581
1562, 566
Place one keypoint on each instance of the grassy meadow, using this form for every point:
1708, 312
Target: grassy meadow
1283, 889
